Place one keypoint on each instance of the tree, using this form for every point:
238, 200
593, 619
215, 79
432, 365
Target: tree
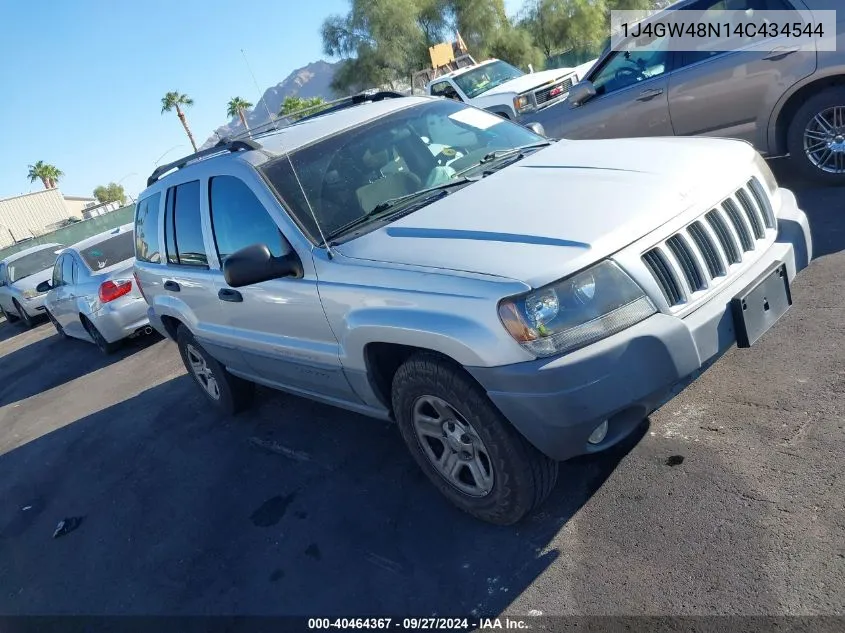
48, 174
112, 192
236, 107
560, 25
293, 105
174, 101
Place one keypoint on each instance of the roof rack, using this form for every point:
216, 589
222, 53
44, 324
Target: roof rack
224, 146
324, 108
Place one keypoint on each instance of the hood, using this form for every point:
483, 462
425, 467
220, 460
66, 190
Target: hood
29, 283
529, 81
562, 208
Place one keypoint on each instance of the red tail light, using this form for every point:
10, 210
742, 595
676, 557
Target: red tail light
138, 285
111, 290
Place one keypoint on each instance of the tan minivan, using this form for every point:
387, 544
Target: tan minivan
783, 100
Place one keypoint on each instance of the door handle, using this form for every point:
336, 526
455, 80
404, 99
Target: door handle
645, 95
172, 286
227, 294
780, 52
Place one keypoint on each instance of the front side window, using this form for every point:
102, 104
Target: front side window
67, 270
238, 218
32, 263
147, 248
57, 273
351, 176
183, 226
479, 80
109, 252
627, 68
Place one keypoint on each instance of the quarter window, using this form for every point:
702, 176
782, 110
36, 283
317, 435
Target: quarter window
183, 226
238, 218
147, 248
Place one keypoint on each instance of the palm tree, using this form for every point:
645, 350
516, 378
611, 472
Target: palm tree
236, 106
173, 100
49, 174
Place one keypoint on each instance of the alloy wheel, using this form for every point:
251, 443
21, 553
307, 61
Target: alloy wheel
202, 372
453, 446
824, 140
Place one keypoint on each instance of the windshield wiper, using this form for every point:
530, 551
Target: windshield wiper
423, 196
498, 154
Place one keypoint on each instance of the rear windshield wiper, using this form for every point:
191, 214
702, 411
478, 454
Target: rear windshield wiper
423, 196
498, 154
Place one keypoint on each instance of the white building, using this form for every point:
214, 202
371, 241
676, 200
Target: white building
33, 214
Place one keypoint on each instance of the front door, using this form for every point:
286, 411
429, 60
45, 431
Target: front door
279, 325
732, 93
631, 98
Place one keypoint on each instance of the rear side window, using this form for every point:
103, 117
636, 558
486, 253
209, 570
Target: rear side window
183, 226
147, 248
239, 219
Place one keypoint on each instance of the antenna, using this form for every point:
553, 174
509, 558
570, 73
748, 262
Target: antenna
255, 81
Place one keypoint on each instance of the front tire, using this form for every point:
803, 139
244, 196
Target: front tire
816, 138
226, 392
27, 320
464, 444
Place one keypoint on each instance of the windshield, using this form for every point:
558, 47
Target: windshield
32, 263
110, 251
348, 175
481, 79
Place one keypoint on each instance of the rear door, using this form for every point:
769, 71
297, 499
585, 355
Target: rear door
631, 97
732, 93
279, 325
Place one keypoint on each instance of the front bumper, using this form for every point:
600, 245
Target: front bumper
34, 306
121, 318
556, 403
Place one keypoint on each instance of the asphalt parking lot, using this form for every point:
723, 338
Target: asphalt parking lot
729, 501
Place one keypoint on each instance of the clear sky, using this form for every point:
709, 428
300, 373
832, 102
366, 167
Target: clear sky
81, 80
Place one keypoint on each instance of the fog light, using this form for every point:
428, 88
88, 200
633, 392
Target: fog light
598, 434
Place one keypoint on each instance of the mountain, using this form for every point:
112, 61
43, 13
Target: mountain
313, 80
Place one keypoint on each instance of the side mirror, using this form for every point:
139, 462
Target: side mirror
43, 287
537, 128
255, 263
581, 92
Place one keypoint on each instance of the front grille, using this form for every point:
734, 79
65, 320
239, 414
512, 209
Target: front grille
714, 246
542, 96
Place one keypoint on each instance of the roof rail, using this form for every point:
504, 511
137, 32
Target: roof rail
348, 102
224, 146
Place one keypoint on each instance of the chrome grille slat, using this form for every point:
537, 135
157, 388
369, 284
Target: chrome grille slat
743, 231
542, 96
763, 202
729, 243
689, 263
683, 253
707, 248
752, 213
661, 270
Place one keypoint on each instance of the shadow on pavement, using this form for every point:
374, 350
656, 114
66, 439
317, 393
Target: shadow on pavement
46, 356
184, 512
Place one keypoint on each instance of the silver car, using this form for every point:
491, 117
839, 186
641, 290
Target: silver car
20, 275
92, 295
780, 98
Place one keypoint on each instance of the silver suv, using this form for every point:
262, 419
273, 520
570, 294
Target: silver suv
508, 300
781, 98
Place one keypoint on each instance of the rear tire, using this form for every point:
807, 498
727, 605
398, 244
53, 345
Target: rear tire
99, 340
27, 320
228, 393
821, 107
437, 403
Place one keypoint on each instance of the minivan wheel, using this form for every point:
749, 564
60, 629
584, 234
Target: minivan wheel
226, 392
27, 320
816, 137
465, 446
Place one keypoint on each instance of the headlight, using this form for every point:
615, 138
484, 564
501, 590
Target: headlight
577, 311
521, 102
30, 294
766, 171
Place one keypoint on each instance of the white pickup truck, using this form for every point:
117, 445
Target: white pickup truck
498, 87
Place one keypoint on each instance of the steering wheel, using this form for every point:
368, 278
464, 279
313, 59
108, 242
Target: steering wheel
629, 72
